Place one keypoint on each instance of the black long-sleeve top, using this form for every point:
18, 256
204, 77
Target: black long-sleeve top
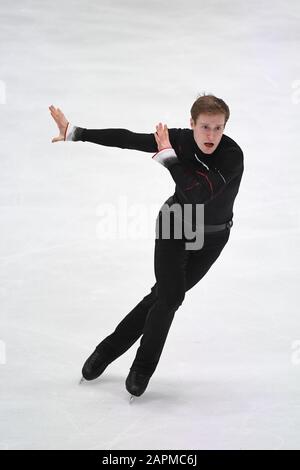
212, 180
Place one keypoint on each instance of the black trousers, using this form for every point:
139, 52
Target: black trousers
176, 270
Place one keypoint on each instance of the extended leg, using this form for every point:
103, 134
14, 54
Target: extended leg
170, 265
125, 334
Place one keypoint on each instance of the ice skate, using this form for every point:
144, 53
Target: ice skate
94, 366
136, 383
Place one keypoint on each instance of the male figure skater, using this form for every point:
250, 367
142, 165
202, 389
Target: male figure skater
207, 167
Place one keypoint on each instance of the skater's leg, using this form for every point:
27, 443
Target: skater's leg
170, 262
114, 345
129, 329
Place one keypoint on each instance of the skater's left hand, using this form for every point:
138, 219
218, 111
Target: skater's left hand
162, 137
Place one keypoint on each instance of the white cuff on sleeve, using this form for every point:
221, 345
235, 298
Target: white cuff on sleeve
166, 157
69, 132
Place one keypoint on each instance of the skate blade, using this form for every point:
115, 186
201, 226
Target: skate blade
131, 399
82, 380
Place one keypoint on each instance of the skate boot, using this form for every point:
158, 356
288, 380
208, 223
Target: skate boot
95, 365
136, 382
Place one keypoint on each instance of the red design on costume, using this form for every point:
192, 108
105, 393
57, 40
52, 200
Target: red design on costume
207, 179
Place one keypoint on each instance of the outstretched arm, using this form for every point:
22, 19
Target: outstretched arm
121, 138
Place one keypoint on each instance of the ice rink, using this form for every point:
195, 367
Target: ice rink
229, 375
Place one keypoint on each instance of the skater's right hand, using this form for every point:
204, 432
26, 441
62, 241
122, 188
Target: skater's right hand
61, 121
162, 137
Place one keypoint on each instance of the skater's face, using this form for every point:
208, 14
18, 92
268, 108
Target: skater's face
208, 131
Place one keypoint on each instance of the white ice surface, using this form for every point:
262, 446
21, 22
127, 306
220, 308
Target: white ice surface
229, 376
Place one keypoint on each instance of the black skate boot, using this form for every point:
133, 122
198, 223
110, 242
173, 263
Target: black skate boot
136, 382
95, 365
